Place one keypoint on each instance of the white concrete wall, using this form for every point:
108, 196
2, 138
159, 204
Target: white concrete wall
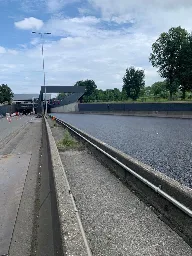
73, 107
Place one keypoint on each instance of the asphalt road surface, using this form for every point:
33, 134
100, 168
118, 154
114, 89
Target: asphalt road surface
163, 143
20, 141
8, 127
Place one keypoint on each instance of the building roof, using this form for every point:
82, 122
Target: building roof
28, 97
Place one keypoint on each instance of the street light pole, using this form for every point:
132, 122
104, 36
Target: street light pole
44, 83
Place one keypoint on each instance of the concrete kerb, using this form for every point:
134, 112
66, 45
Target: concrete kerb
177, 219
72, 234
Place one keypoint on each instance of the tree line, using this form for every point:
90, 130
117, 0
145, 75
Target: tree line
93, 94
171, 55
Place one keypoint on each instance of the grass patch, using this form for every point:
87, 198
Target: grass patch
67, 142
55, 124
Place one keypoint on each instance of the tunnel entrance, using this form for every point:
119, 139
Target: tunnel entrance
26, 108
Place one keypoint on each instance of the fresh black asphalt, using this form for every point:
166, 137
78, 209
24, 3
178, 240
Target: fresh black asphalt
163, 143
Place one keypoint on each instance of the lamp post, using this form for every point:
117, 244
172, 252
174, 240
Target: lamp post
44, 83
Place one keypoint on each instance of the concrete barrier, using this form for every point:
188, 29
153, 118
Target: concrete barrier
73, 107
178, 219
169, 109
136, 107
73, 238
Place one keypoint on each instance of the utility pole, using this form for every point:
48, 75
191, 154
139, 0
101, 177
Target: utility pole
44, 81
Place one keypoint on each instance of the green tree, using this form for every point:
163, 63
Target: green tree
6, 93
172, 87
109, 95
99, 95
133, 82
105, 96
117, 94
145, 92
166, 55
1, 96
90, 87
61, 96
123, 95
160, 89
184, 69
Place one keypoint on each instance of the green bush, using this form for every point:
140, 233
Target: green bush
68, 141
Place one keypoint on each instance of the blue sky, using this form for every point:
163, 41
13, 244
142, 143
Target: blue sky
91, 39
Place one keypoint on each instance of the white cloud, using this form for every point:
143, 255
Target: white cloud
85, 11
30, 6
2, 50
149, 16
29, 23
99, 57
72, 26
35, 41
14, 52
122, 7
56, 5
89, 48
